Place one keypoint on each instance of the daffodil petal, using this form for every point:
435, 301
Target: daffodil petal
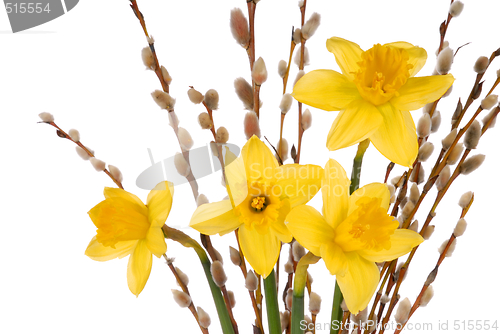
155, 240
260, 250
418, 56
396, 138
335, 259
159, 203
335, 193
139, 267
373, 190
417, 92
298, 183
359, 282
236, 178
354, 124
213, 218
122, 194
278, 227
309, 228
97, 252
325, 89
347, 54
259, 161
402, 242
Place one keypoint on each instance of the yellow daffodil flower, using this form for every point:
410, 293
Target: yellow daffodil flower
353, 233
125, 226
374, 95
261, 194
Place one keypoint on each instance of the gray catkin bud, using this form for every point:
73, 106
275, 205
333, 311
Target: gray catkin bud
234, 255
251, 125
282, 149
46, 117
472, 135
424, 126
448, 140
429, 230
427, 108
205, 121
259, 71
239, 27
427, 296
181, 298
212, 99
360, 318
181, 164
455, 154
232, 299
296, 59
201, 199
413, 227
425, 151
195, 96
185, 138
481, 64
421, 175
472, 163
309, 28
286, 103
314, 303
298, 251
284, 319
491, 115
465, 199
115, 172
245, 92
456, 8
408, 208
74, 135
444, 61
306, 120
251, 282
443, 178
222, 135
435, 121
148, 58
166, 76
288, 267
385, 299
98, 165
489, 101
451, 249
82, 153
203, 317
182, 276
297, 36
289, 298
460, 227
163, 100
403, 311
414, 193
282, 67
218, 273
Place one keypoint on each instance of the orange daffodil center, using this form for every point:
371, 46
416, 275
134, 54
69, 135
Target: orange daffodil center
374, 93
261, 194
125, 226
352, 234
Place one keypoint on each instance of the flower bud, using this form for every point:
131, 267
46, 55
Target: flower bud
309, 28
314, 303
298, 53
185, 139
413, 227
489, 101
427, 296
425, 151
286, 103
443, 178
414, 193
212, 99
491, 115
251, 282
284, 319
298, 251
116, 173
181, 298
74, 135
385, 299
456, 8
205, 121
460, 227
289, 298
472, 163
360, 318
259, 71
148, 58
288, 267
239, 27
297, 36
182, 276
166, 76
99, 165
232, 299
427, 108
407, 210
251, 125
481, 64
306, 120
465, 199
455, 154
203, 317
421, 175
163, 100
424, 126
245, 92
403, 311
181, 164
282, 149
450, 250
444, 61
448, 140
82, 153
429, 230
195, 96
201, 199
435, 121
222, 135
282, 67
472, 135
218, 273
46, 117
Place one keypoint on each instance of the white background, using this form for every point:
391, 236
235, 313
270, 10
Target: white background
86, 69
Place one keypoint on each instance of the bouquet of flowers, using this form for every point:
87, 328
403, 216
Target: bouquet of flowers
287, 210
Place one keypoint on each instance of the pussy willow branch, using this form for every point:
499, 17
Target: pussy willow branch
301, 67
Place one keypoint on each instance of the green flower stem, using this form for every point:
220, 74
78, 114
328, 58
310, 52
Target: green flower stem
186, 241
355, 176
273, 313
299, 284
